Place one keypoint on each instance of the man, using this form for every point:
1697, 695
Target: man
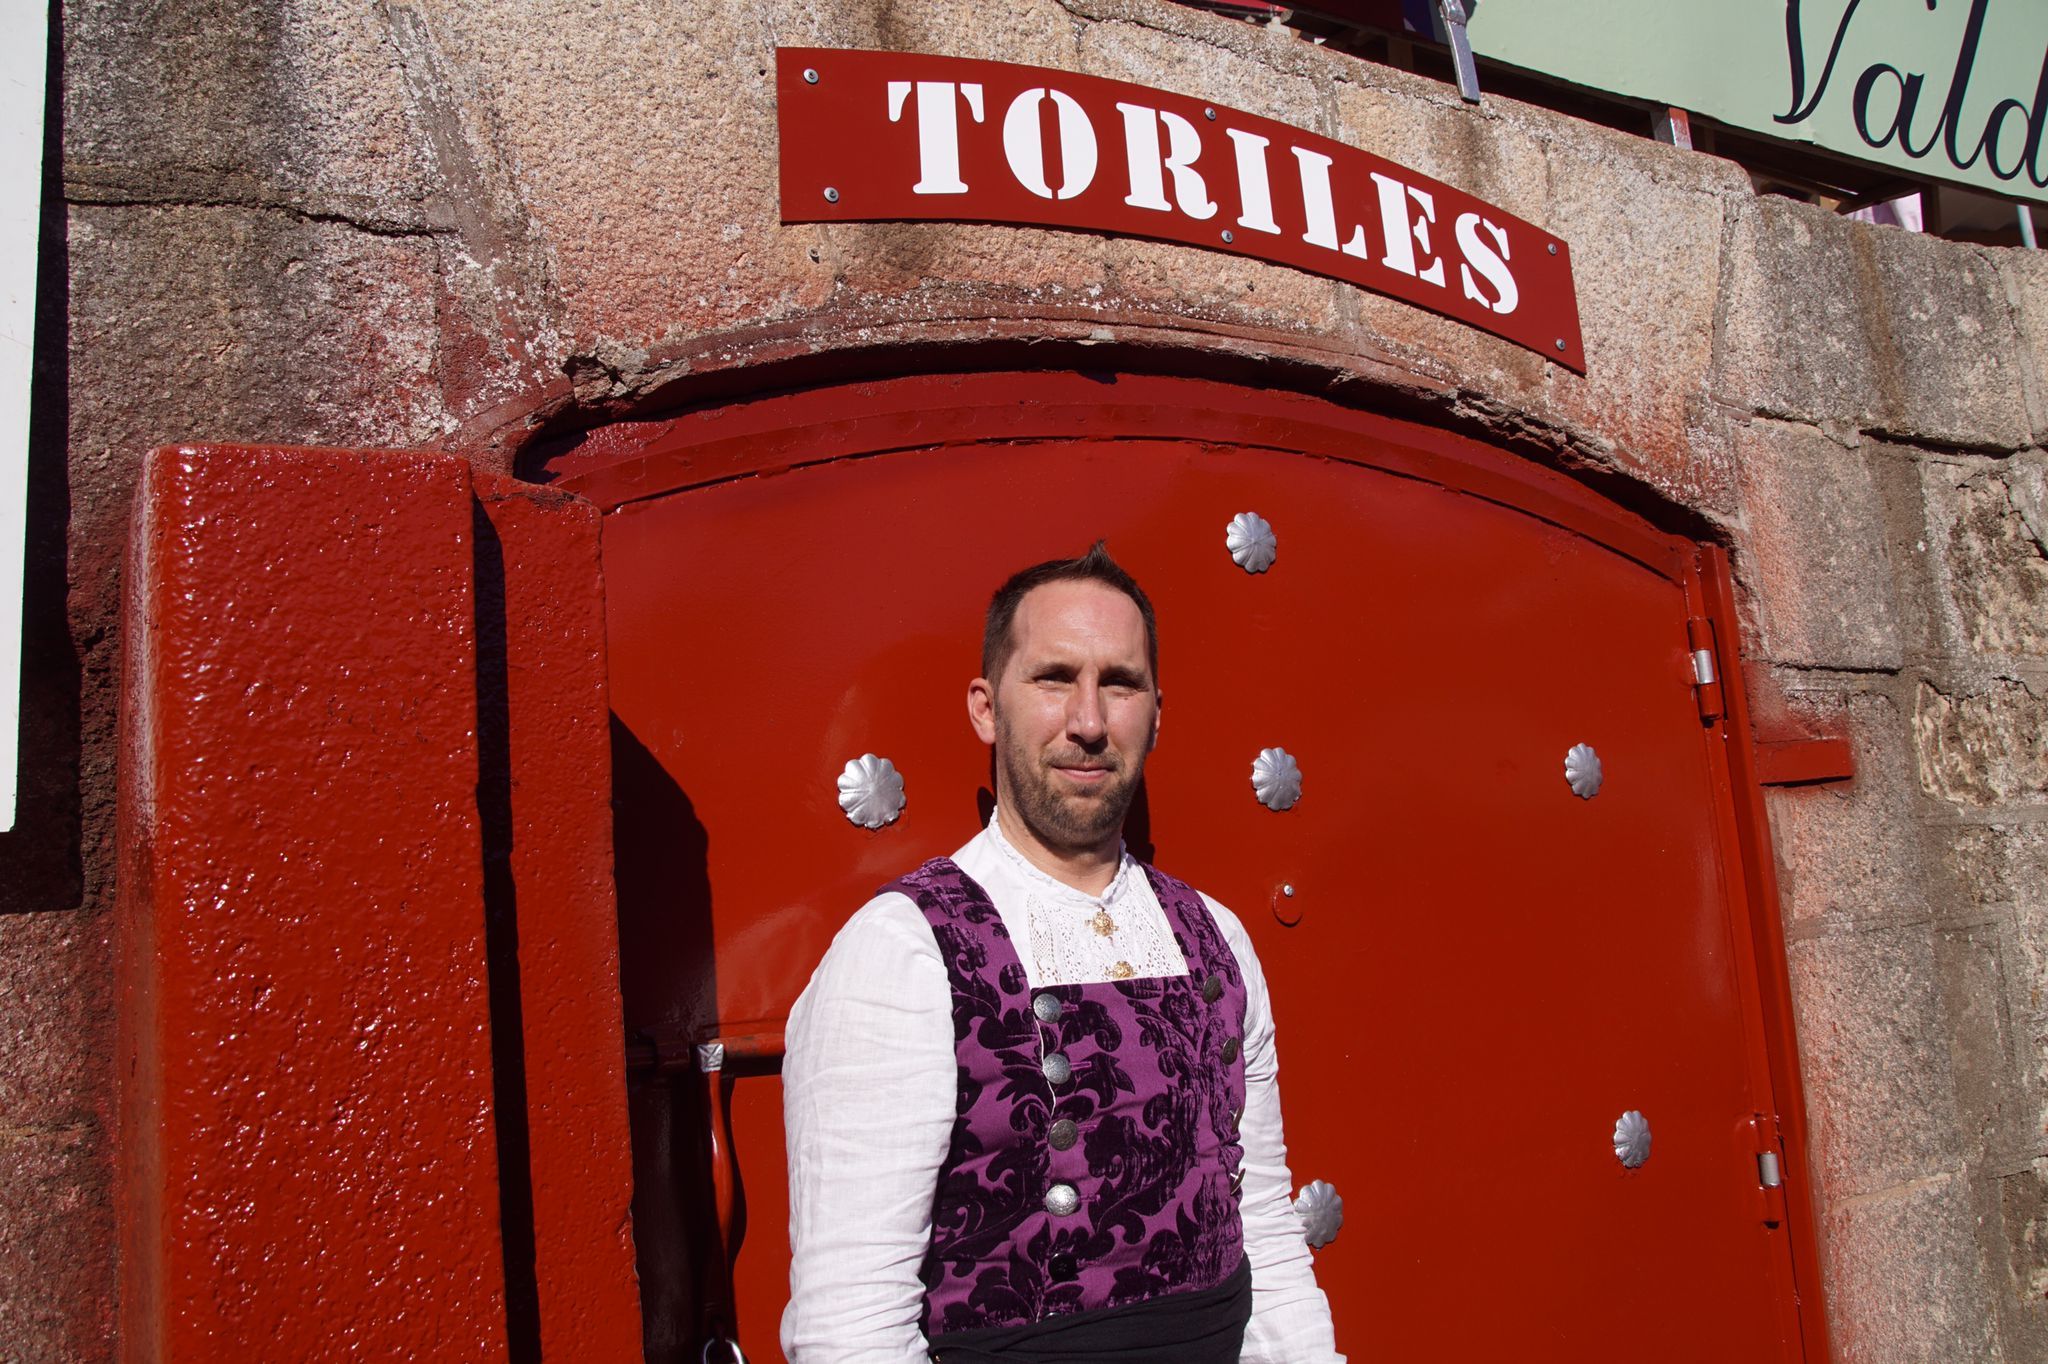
1030, 1092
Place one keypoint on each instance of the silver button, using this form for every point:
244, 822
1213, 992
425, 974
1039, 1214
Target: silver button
1047, 1007
1063, 1134
1212, 989
1058, 1069
1230, 1051
1061, 1199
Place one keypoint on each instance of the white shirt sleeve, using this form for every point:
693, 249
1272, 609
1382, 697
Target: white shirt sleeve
1290, 1316
869, 1091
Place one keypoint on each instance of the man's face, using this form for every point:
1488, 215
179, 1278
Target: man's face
1073, 715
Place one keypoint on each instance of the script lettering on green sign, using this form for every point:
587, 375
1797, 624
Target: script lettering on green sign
1947, 136
1950, 90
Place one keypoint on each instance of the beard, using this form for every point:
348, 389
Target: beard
1059, 815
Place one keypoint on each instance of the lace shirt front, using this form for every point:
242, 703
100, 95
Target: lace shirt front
1079, 939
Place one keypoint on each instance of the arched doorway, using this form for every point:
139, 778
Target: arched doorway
1478, 966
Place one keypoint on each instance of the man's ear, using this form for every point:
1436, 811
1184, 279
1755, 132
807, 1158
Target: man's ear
981, 709
1158, 714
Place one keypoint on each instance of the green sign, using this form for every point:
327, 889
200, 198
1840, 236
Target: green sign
1953, 90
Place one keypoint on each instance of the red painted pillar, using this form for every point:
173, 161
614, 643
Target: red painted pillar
322, 1003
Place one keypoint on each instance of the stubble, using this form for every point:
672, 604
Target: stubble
1063, 818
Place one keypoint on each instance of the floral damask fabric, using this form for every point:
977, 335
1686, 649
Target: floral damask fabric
1155, 1092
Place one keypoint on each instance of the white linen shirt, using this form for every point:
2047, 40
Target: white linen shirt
869, 1091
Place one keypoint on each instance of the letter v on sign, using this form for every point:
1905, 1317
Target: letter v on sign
899, 136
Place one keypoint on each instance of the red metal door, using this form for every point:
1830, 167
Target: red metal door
1478, 972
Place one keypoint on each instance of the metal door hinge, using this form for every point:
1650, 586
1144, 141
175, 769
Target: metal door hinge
1706, 677
1770, 1170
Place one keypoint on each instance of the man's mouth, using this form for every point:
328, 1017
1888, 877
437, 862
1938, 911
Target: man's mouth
1085, 773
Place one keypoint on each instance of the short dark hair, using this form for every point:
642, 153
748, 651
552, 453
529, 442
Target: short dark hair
1095, 566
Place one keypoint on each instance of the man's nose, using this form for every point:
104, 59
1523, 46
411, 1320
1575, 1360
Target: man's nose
1085, 724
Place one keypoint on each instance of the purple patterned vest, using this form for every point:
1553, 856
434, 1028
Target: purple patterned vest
1094, 1158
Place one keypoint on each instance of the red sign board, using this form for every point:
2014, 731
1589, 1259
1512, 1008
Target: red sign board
871, 136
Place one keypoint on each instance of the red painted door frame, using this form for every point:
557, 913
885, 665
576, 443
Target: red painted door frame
1746, 834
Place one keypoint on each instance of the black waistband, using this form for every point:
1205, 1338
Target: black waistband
1203, 1327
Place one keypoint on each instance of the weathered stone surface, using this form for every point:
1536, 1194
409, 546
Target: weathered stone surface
1850, 852
1996, 1067
2027, 1004
1793, 342
1984, 746
1839, 322
500, 332
1959, 373
52, 1041
658, 207
1270, 43
2021, 1201
2001, 1053
2026, 284
56, 1080
1989, 523
1155, 276
267, 327
1897, 472
1880, 1088
1271, 76
1821, 565
211, 101
628, 181
56, 1245
1648, 279
903, 272
56, 1220
2000, 864
1906, 1282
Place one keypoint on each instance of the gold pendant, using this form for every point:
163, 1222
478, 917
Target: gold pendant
1121, 971
1102, 923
